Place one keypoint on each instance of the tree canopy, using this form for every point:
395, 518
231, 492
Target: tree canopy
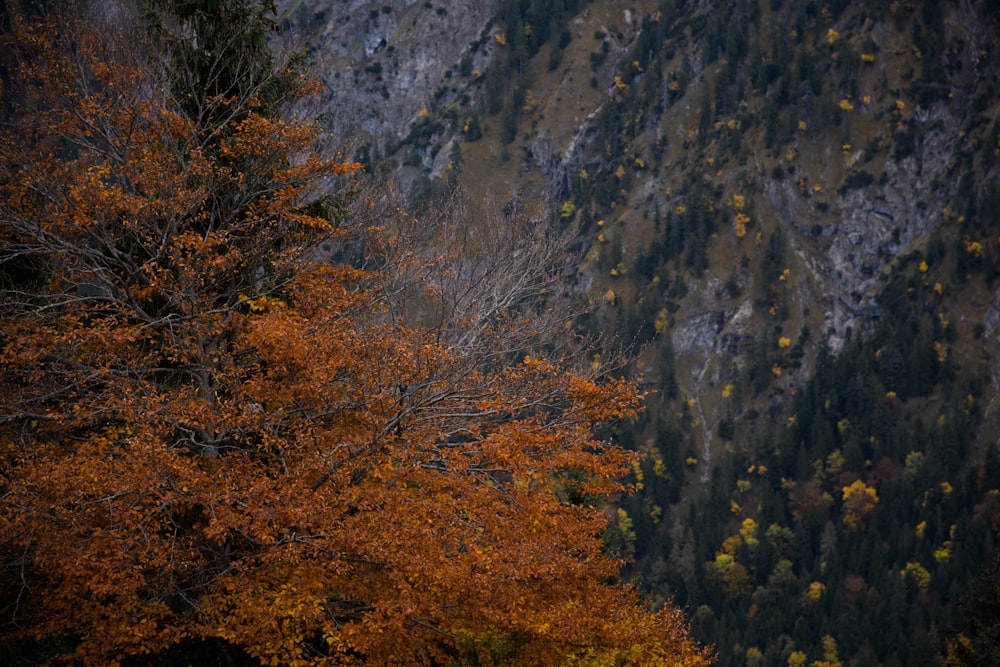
238, 418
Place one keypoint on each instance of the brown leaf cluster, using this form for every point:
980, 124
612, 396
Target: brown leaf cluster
210, 430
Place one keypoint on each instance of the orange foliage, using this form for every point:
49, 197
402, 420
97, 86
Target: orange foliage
209, 434
860, 501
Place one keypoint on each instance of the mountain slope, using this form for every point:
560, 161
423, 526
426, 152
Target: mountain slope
792, 209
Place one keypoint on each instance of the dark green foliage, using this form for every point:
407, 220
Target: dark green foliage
473, 131
422, 132
893, 408
759, 374
857, 418
598, 57
219, 49
686, 235
774, 259
508, 124
527, 25
668, 369
493, 90
726, 428
846, 413
555, 58
905, 143
978, 645
855, 180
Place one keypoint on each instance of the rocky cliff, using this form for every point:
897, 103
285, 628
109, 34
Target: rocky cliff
853, 133
847, 199
382, 63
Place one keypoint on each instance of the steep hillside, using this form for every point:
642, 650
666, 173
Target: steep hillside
792, 209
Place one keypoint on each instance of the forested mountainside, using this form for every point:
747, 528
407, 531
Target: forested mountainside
792, 209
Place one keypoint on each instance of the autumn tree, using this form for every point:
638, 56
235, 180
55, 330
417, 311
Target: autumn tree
860, 501
238, 419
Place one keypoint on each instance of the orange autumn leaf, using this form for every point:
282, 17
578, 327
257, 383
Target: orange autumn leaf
239, 417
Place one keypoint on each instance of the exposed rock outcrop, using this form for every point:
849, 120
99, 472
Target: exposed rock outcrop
381, 63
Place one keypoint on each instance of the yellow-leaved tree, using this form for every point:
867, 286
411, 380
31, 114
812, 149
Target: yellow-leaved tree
241, 422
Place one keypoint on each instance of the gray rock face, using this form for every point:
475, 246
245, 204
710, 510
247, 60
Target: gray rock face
697, 333
714, 333
872, 225
379, 63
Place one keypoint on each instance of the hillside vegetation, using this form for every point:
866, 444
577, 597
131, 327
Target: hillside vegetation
791, 210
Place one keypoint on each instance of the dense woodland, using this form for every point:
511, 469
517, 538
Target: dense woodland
848, 518
849, 515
